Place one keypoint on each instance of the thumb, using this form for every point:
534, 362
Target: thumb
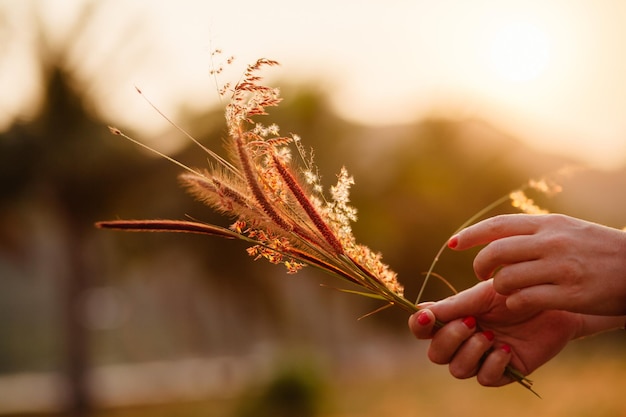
470, 302
422, 323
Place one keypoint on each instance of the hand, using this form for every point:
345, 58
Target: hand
524, 339
551, 262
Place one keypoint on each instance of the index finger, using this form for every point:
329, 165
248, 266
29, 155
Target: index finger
494, 228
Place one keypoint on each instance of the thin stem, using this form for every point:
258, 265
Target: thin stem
117, 132
215, 156
469, 221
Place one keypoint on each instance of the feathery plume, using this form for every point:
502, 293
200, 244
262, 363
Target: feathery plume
279, 207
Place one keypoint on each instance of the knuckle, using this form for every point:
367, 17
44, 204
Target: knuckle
557, 242
459, 371
447, 341
498, 223
436, 357
520, 301
487, 259
485, 380
501, 280
557, 219
492, 372
569, 271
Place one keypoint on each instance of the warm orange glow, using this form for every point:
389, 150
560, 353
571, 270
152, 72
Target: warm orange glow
549, 72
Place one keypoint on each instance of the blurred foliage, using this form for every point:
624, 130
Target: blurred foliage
74, 297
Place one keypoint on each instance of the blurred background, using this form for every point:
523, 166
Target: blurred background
436, 108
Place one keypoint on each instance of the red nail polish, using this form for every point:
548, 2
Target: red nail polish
453, 242
422, 318
489, 335
506, 348
470, 322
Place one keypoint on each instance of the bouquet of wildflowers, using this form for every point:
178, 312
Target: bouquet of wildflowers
279, 206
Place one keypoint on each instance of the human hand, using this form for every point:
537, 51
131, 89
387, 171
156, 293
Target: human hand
550, 262
482, 336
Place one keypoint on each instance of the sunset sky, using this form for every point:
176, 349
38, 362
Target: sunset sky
552, 73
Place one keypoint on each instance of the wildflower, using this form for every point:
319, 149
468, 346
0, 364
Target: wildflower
546, 186
278, 207
286, 222
523, 203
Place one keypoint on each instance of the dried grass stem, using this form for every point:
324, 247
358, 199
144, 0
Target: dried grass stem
306, 205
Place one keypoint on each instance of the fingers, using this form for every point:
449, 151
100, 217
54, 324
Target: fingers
531, 285
494, 228
492, 371
422, 324
505, 251
513, 277
467, 352
473, 301
468, 358
449, 339
539, 297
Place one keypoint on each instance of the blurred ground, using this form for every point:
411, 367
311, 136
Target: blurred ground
399, 382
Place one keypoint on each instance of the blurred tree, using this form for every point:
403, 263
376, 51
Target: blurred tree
56, 174
56, 165
60, 172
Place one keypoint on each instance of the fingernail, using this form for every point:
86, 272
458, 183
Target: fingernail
453, 242
506, 348
422, 318
489, 335
470, 322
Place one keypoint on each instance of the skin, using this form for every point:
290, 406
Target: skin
551, 262
545, 293
533, 336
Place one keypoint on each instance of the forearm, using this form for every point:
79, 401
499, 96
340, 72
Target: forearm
591, 325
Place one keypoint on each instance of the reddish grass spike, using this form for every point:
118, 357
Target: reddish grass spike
230, 194
214, 192
252, 182
306, 205
167, 226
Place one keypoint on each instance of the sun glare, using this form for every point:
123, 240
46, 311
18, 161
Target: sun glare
519, 52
